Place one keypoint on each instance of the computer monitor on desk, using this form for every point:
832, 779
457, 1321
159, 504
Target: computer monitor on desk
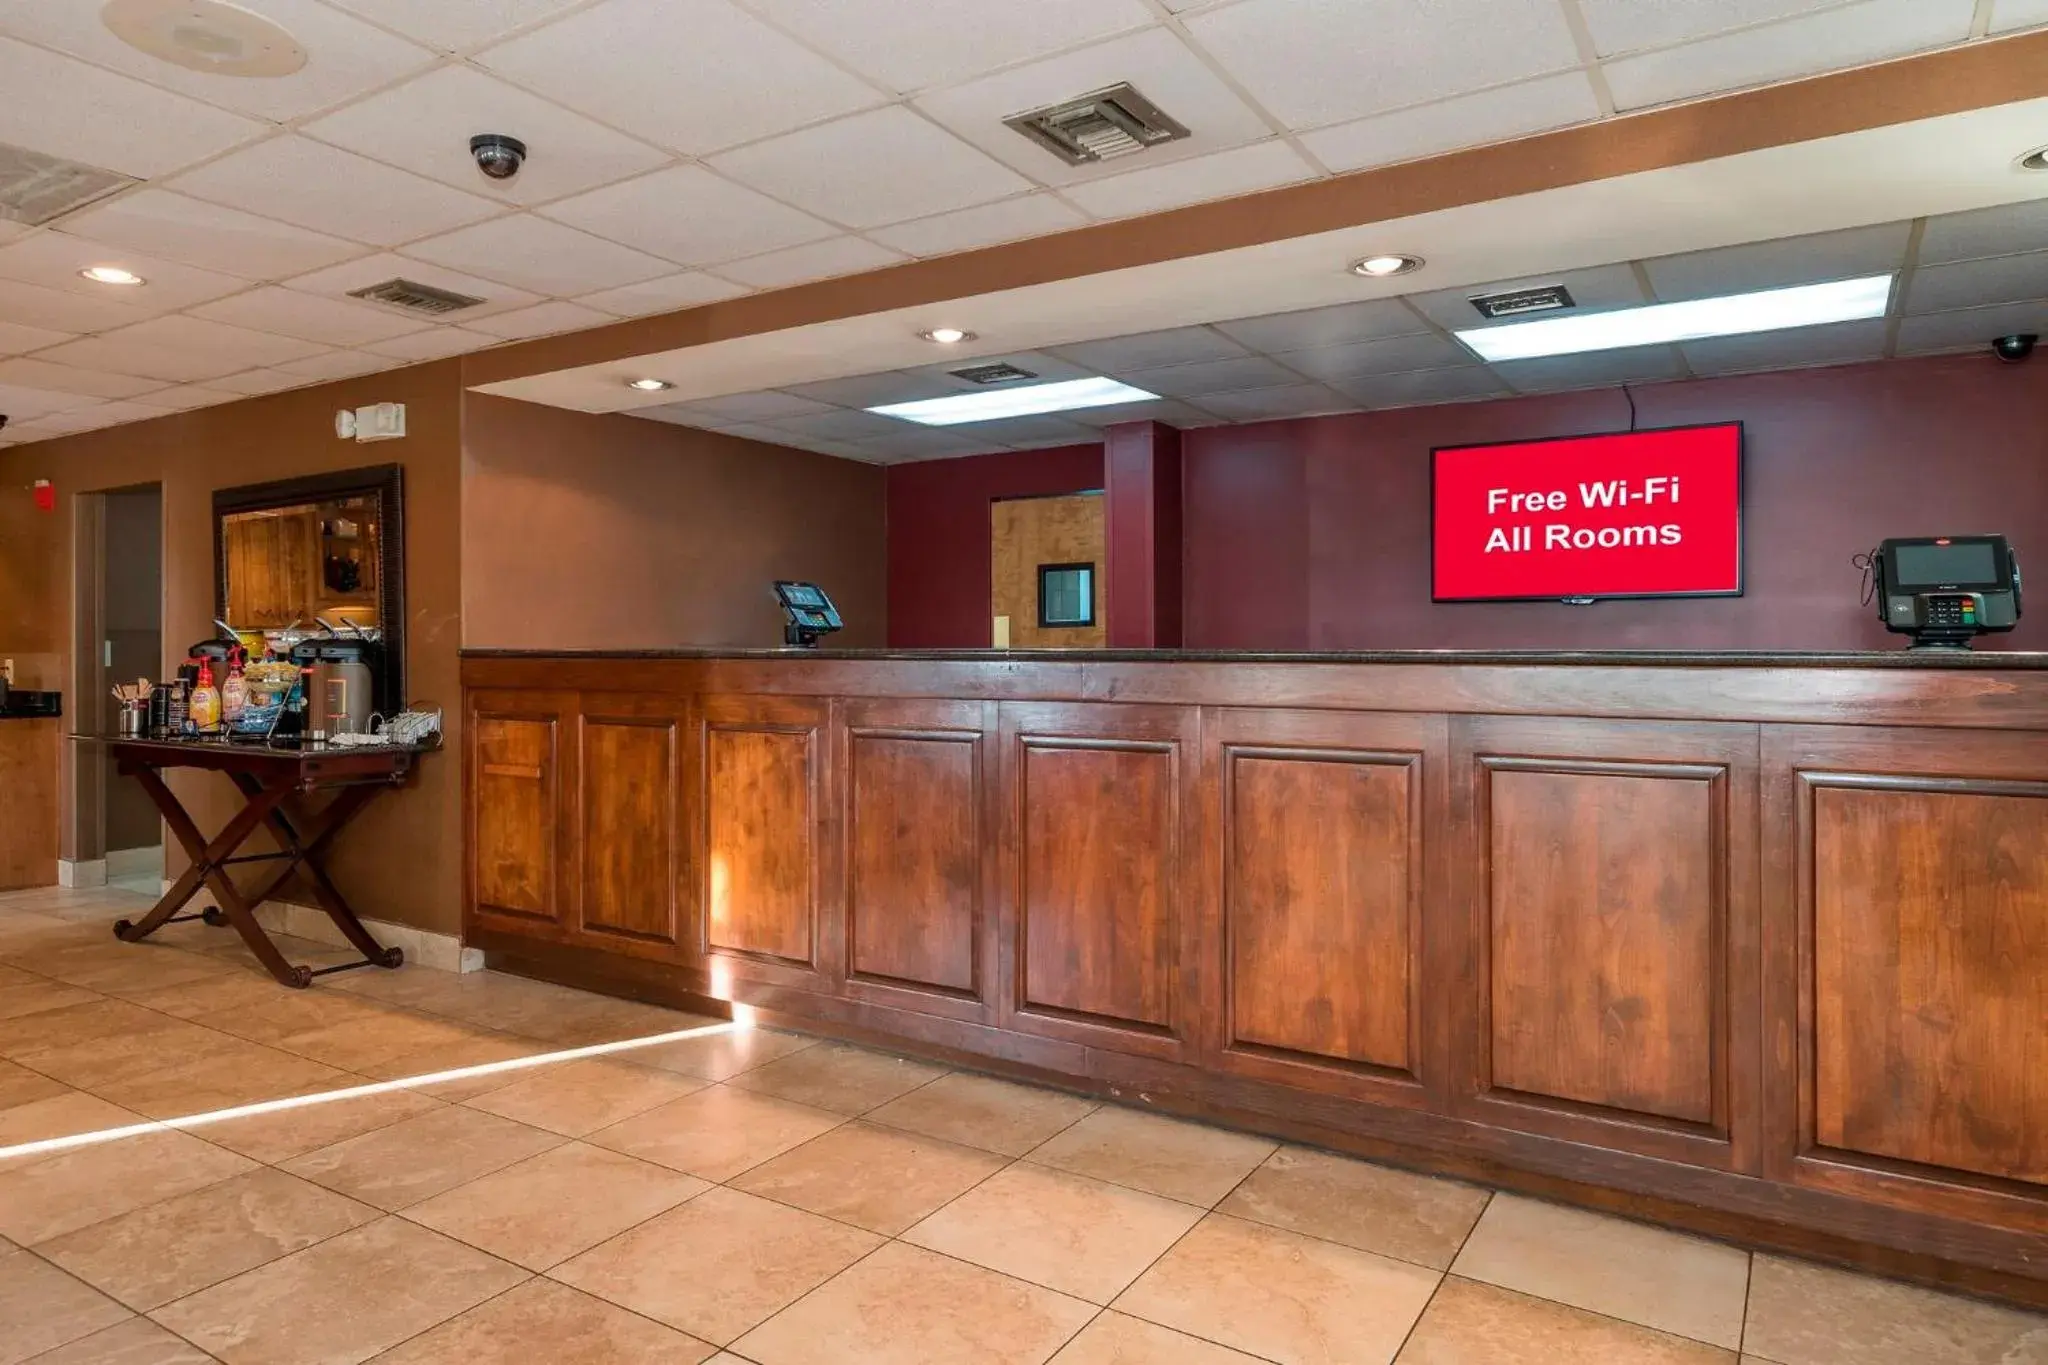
1946, 590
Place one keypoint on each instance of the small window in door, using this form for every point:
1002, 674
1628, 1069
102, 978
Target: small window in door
1066, 595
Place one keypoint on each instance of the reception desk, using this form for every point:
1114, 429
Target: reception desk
1754, 945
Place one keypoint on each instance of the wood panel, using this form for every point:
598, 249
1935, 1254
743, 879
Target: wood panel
519, 848
1094, 913
1323, 875
916, 829
764, 778
1027, 532
1615, 913
29, 776
633, 875
272, 567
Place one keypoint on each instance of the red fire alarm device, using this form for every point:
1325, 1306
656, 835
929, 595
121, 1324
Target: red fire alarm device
46, 495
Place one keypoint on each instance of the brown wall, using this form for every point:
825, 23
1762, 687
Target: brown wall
401, 861
589, 531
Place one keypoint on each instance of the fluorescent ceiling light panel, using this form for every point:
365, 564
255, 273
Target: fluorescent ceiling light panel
1768, 310
1024, 401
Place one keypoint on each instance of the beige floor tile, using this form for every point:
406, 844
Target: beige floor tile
877, 1178
479, 1050
550, 1207
717, 1133
77, 1188
42, 1308
1114, 1339
375, 1038
285, 1133
848, 1080
111, 964
418, 1158
721, 1056
137, 1341
550, 1324
1082, 1237
1805, 1314
1288, 1298
242, 1073
979, 1111
106, 1042
903, 1306
19, 1085
718, 1265
168, 1250
1468, 1323
23, 1038
1190, 1162
341, 1301
1374, 1208
1684, 1285
574, 1098
68, 1113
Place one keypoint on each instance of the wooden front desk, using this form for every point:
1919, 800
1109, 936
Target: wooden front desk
1752, 945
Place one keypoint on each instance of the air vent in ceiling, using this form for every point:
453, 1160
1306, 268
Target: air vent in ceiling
998, 372
36, 189
1098, 127
415, 297
1550, 298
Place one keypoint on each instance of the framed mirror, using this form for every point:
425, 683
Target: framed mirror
323, 550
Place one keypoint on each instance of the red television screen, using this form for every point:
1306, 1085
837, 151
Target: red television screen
1633, 514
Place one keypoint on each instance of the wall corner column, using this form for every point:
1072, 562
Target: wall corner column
1142, 517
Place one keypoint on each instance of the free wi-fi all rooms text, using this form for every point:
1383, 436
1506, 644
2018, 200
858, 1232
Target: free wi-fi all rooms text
1652, 494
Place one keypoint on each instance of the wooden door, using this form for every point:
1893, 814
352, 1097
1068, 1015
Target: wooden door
271, 567
1611, 902
1907, 884
635, 889
521, 779
1027, 534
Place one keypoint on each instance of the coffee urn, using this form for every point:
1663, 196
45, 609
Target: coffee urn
342, 692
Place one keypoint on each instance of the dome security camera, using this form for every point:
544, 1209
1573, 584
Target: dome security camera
497, 155
2015, 348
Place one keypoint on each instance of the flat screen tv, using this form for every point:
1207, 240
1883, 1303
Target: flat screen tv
1631, 514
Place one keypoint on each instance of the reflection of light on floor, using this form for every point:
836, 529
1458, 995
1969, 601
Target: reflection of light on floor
356, 1092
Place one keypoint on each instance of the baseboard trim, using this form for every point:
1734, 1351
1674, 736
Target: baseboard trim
82, 872
123, 863
441, 952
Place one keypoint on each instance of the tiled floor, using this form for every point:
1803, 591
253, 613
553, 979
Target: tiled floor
762, 1197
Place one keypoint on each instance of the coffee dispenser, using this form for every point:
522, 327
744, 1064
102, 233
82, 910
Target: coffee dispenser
341, 691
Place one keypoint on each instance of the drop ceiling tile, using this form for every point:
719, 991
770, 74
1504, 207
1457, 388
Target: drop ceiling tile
1037, 432
53, 260
671, 292
840, 424
1970, 329
456, 25
1152, 350
149, 360
1206, 377
16, 339
1030, 215
1602, 287
316, 186
1791, 260
1978, 284
68, 109
219, 341
185, 397
939, 42
106, 415
690, 216
311, 317
875, 390
1837, 344
24, 403
1338, 325
883, 166
1388, 355
1498, 115
254, 383
1418, 388
2008, 16
347, 56
816, 445
1826, 41
818, 261
1043, 367
1287, 400
1625, 25
337, 365
1593, 370
675, 416
338, 282
692, 75
1220, 175
1162, 67
540, 255
733, 409
2002, 231
543, 319
41, 374
425, 125
923, 443
59, 310
212, 236
435, 344
1315, 62
1173, 414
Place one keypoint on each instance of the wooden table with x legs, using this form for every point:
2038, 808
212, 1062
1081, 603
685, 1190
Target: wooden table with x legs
277, 785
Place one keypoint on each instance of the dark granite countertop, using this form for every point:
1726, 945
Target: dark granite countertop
1895, 658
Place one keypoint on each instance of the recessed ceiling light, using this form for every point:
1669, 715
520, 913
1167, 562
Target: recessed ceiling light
649, 385
1768, 310
2036, 160
1022, 401
946, 336
1381, 266
111, 274
205, 35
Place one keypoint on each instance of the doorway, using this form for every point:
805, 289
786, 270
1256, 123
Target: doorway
120, 634
1046, 571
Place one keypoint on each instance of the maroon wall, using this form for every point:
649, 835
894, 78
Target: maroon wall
1315, 534
939, 585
